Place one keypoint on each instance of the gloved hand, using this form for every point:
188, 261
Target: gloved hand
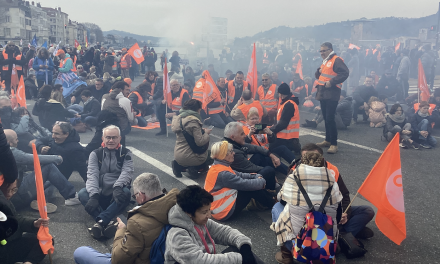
247, 255
92, 204
120, 196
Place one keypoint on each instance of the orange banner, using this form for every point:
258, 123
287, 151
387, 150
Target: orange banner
422, 84
352, 46
384, 189
397, 47
299, 69
167, 96
210, 90
21, 94
136, 53
43, 234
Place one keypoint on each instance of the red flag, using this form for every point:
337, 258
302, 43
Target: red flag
76, 43
21, 95
384, 189
210, 90
422, 84
43, 234
136, 53
397, 47
352, 46
252, 75
166, 85
299, 68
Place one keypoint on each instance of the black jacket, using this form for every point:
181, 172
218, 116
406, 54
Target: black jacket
92, 108
105, 118
333, 93
344, 109
286, 115
70, 150
363, 93
390, 82
241, 162
389, 125
8, 167
51, 112
39, 105
416, 119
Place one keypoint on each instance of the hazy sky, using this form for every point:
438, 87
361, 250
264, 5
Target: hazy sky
185, 18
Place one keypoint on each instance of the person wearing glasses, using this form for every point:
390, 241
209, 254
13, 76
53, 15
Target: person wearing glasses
331, 74
109, 175
267, 94
134, 240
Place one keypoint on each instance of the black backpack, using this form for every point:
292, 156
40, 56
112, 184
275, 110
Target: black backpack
192, 143
100, 153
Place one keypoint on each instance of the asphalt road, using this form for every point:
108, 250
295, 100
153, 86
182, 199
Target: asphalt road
359, 149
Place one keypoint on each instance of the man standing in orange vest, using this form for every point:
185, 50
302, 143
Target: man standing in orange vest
236, 88
125, 63
241, 109
332, 73
9, 57
267, 94
287, 126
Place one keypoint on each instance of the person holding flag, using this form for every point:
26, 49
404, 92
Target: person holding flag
43, 66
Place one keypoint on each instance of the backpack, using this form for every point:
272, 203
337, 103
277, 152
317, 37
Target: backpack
191, 142
120, 159
315, 240
157, 252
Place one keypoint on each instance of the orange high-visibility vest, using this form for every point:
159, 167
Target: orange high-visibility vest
6, 67
292, 129
297, 90
244, 108
62, 62
327, 72
124, 63
140, 100
268, 101
231, 90
176, 105
217, 110
255, 141
224, 199
153, 85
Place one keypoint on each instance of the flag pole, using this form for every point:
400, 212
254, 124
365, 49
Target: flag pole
50, 256
166, 119
351, 202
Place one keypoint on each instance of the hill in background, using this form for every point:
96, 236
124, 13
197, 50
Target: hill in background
134, 36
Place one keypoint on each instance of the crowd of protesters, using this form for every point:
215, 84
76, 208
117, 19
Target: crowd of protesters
261, 145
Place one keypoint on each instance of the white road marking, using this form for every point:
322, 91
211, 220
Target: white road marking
159, 165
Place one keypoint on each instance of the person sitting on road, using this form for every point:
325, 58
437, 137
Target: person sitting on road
263, 138
22, 123
241, 109
145, 222
42, 97
342, 117
89, 113
141, 105
27, 191
98, 89
224, 183
109, 175
191, 149
262, 162
287, 126
361, 96
376, 112
194, 235
388, 85
396, 122
218, 109
117, 102
297, 87
23, 246
421, 123
65, 143
54, 111
354, 220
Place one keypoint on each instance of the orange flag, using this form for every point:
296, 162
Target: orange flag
136, 53
167, 96
252, 75
384, 189
210, 90
397, 47
43, 234
422, 84
352, 46
21, 94
299, 68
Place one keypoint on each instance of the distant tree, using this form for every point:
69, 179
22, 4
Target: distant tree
111, 38
96, 30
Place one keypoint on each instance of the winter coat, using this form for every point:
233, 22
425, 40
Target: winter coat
389, 125
241, 162
333, 93
39, 106
27, 125
105, 119
344, 109
53, 111
416, 119
29, 85
111, 175
41, 73
183, 153
6, 75
70, 150
404, 68
391, 82
133, 243
8, 166
117, 103
109, 60
184, 245
363, 93
377, 112
175, 61
91, 108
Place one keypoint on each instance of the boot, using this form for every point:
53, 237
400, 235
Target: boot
332, 149
177, 171
284, 256
323, 144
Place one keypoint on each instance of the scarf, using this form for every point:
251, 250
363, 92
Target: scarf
398, 119
184, 113
422, 115
328, 57
88, 100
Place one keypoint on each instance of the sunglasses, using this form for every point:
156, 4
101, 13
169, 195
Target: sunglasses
134, 195
265, 79
322, 51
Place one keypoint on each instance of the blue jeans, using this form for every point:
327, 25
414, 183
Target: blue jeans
276, 211
88, 255
91, 121
76, 108
108, 209
283, 152
141, 121
359, 217
423, 126
127, 130
263, 161
27, 192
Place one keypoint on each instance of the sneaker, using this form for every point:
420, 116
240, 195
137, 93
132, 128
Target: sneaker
176, 172
323, 144
426, 146
365, 233
50, 208
110, 229
152, 120
332, 149
96, 231
402, 145
161, 133
309, 123
415, 145
72, 201
354, 122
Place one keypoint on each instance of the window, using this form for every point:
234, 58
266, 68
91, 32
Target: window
7, 19
7, 32
23, 33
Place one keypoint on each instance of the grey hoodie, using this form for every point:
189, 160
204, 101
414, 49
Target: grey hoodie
185, 246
